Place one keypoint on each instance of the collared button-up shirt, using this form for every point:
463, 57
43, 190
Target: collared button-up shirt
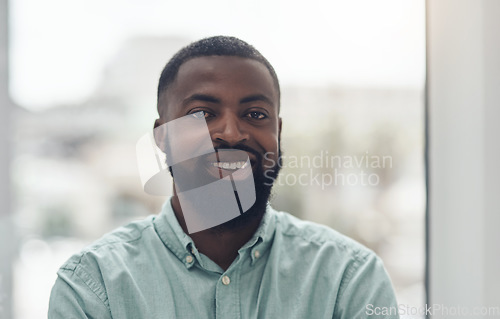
288, 269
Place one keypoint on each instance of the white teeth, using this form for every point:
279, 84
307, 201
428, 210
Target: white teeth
230, 165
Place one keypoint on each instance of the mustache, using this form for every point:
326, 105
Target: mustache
240, 147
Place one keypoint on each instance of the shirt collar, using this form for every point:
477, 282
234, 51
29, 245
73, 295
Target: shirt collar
174, 238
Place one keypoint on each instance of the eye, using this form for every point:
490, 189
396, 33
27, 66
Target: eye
256, 115
201, 114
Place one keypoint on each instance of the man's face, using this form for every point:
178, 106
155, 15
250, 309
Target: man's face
240, 103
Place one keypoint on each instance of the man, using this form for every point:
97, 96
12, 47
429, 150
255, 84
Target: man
261, 264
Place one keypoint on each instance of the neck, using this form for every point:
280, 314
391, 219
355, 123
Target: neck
220, 244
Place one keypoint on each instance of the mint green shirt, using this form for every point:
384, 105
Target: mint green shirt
289, 269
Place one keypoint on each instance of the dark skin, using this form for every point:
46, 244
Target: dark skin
241, 106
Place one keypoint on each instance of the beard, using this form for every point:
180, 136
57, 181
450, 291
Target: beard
264, 178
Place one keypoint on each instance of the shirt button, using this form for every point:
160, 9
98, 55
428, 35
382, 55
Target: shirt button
189, 259
256, 254
226, 280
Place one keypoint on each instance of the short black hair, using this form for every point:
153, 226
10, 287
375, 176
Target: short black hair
218, 46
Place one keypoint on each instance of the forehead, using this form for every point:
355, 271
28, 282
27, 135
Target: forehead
221, 75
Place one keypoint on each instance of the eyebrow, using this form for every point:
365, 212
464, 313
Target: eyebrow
256, 97
212, 99
200, 97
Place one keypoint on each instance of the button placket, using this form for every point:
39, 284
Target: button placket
227, 294
256, 254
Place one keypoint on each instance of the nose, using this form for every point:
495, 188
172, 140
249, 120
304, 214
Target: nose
228, 130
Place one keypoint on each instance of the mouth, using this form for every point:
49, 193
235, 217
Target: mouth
229, 165
227, 162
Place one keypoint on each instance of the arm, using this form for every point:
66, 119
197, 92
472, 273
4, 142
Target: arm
76, 295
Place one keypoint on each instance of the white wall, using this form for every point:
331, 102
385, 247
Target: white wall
6, 242
464, 152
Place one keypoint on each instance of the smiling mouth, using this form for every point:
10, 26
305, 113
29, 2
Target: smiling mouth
229, 165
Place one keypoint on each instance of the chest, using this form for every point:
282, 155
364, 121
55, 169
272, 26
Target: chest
266, 289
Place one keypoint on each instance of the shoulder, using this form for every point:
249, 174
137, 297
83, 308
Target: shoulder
338, 260
112, 245
320, 238
81, 278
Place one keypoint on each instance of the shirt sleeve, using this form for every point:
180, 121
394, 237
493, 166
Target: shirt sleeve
76, 296
366, 292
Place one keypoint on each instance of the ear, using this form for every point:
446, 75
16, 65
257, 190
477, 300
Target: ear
279, 128
158, 122
159, 133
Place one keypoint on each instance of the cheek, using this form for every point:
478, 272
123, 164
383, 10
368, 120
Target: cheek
271, 146
266, 140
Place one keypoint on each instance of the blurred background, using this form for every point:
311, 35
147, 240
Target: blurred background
82, 84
